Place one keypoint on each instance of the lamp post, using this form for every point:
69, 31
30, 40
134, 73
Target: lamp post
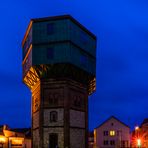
138, 141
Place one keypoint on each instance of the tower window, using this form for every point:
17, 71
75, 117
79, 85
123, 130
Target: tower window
53, 116
50, 28
77, 101
50, 53
54, 98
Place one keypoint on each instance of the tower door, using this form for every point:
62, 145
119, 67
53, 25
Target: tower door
53, 140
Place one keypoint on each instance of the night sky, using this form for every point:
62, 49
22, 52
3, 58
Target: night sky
121, 27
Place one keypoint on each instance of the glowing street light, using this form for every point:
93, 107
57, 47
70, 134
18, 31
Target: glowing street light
2, 140
137, 127
139, 143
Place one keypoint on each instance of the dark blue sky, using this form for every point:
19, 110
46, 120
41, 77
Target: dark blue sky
122, 56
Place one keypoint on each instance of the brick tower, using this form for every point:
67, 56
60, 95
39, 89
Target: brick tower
59, 67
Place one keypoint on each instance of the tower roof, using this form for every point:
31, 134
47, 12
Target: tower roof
52, 18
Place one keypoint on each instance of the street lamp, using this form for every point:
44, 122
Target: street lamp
137, 127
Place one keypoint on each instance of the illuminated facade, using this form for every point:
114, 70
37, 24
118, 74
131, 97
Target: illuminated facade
91, 140
59, 67
112, 134
15, 138
140, 135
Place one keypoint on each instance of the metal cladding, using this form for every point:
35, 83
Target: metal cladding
56, 47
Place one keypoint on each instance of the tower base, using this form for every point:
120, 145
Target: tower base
59, 114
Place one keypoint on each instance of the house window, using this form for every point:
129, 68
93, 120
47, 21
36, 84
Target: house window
112, 142
112, 133
105, 142
53, 116
105, 133
50, 28
50, 53
124, 143
112, 124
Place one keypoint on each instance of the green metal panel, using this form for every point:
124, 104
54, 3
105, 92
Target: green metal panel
68, 42
60, 31
63, 53
59, 53
27, 43
82, 39
82, 59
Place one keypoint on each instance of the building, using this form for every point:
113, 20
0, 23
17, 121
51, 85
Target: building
112, 134
15, 138
139, 136
59, 67
91, 139
144, 130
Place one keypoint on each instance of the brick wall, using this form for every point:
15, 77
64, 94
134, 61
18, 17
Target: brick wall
48, 131
77, 119
77, 138
60, 120
35, 121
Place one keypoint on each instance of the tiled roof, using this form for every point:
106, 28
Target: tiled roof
26, 131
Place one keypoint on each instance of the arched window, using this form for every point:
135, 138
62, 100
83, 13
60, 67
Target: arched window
53, 116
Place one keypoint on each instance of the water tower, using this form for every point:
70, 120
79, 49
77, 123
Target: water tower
59, 67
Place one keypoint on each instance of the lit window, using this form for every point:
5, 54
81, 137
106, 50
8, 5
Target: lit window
112, 133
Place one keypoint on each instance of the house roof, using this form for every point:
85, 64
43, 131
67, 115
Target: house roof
20, 130
25, 131
1, 129
113, 118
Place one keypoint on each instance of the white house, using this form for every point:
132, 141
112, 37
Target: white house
112, 134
